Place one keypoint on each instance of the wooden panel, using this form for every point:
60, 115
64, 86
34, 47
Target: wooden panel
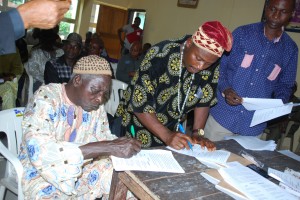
110, 19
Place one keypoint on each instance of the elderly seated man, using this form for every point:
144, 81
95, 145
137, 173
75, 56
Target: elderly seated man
67, 142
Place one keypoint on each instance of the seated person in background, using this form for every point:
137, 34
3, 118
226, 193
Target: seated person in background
146, 47
86, 44
64, 126
175, 77
11, 67
129, 63
96, 47
46, 49
278, 126
59, 70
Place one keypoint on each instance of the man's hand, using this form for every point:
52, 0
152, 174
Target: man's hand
179, 141
125, 147
204, 142
43, 14
231, 97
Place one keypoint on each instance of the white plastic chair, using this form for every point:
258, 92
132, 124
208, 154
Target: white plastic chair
117, 89
114, 66
10, 124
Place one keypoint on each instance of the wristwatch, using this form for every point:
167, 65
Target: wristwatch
199, 131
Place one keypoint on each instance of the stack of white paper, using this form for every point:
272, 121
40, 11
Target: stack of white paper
253, 143
148, 160
251, 184
290, 154
212, 159
289, 180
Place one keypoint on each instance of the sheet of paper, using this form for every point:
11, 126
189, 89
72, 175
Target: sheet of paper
253, 143
218, 156
290, 179
264, 115
290, 154
261, 103
253, 185
148, 160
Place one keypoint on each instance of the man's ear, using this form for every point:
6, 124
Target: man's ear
77, 80
189, 42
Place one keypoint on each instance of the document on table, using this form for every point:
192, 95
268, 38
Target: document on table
253, 143
289, 180
251, 184
148, 160
218, 156
290, 154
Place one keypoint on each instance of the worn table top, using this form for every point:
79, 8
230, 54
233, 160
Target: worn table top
190, 185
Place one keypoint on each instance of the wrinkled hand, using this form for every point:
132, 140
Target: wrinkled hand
231, 97
125, 147
43, 14
204, 142
179, 141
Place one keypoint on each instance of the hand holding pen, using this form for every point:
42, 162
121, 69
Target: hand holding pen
181, 129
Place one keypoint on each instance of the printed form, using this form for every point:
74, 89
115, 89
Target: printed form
148, 160
266, 109
218, 156
251, 184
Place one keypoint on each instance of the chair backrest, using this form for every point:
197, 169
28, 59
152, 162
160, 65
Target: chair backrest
116, 94
114, 66
11, 125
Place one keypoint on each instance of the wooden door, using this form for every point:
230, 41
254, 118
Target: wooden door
110, 19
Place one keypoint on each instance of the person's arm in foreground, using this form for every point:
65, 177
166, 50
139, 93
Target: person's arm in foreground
200, 117
43, 14
121, 147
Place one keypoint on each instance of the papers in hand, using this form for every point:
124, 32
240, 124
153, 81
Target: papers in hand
253, 143
266, 109
148, 160
208, 158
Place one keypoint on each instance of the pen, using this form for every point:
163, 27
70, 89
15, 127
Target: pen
132, 131
181, 129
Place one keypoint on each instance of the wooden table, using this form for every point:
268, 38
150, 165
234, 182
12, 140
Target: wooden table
190, 185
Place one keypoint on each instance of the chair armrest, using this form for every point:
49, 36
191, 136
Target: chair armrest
12, 159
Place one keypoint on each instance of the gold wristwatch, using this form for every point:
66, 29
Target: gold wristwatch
199, 131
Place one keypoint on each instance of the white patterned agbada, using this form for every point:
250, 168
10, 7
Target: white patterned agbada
54, 167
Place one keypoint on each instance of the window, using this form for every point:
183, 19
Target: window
8, 4
67, 25
94, 18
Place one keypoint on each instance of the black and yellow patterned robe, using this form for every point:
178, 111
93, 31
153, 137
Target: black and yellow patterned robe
154, 89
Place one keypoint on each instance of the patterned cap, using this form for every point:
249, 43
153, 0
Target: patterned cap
74, 37
213, 37
92, 64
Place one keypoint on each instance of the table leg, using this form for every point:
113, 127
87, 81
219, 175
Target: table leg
118, 190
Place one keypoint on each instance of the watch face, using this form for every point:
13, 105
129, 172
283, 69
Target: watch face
201, 131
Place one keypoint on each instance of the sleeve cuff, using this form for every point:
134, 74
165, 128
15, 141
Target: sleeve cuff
17, 22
